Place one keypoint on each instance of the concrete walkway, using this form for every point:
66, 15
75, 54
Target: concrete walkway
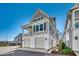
34, 49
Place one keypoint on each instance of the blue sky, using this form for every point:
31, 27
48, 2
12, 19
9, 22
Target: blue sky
12, 16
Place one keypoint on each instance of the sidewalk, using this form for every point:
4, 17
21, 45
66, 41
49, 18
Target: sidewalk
34, 49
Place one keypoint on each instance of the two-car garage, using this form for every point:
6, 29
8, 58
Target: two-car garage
39, 42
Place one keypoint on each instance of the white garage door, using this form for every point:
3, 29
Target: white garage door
27, 43
39, 42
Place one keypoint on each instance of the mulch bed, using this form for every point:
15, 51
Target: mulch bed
68, 54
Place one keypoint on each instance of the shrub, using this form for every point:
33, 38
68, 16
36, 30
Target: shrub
58, 45
62, 45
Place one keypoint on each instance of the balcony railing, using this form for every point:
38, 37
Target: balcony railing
27, 34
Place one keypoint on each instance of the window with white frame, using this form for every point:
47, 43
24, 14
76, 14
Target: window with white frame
37, 28
77, 25
76, 15
41, 27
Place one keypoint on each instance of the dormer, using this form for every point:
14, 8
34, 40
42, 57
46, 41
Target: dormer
38, 15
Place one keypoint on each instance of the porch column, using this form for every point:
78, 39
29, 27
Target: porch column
32, 41
47, 40
22, 36
32, 29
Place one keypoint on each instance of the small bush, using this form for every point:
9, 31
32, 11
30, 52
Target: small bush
63, 45
58, 45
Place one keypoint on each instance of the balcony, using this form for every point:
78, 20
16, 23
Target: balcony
27, 34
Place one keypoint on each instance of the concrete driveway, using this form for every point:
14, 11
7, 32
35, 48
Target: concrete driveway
15, 51
23, 53
7, 49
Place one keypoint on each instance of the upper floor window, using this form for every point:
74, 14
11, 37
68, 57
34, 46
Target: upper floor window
39, 18
34, 28
44, 26
77, 14
77, 25
41, 27
49, 27
37, 28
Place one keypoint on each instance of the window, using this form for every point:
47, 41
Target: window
41, 17
41, 27
34, 28
53, 32
44, 26
77, 14
49, 27
37, 28
45, 38
77, 25
76, 37
77, 19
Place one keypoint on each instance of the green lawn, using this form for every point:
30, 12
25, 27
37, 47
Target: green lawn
66, 50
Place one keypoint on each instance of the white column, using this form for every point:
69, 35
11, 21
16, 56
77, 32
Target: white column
22, 33
32, 30
73, 20
22, 43
32, 41
47, 43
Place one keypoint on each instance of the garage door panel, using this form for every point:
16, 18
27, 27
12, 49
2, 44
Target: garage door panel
39, 42
27, 42
51, 43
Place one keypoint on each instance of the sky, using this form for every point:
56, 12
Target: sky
12, 16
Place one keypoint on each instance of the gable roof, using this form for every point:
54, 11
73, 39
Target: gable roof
76, 5
39, 13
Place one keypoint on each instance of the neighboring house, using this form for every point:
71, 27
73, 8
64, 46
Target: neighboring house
18, 39
42, 31
71, 33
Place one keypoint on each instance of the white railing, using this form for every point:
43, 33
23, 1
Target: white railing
27, 34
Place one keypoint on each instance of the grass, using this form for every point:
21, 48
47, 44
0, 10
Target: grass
68, 51
3, 45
